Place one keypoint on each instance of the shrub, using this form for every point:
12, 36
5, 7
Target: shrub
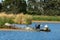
4, 20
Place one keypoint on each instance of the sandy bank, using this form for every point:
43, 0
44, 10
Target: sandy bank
47, 21
11, 29
15, 30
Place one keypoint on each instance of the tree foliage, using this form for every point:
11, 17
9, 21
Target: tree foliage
52, 8
42, 7
14, 6
0, 7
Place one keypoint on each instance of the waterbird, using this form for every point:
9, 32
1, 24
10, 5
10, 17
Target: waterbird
7, 24
46, 26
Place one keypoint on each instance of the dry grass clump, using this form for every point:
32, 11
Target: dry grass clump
3, 14
22, 19
17, 18
28, 19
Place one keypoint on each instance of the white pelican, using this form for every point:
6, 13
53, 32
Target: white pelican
46, 26
7, 24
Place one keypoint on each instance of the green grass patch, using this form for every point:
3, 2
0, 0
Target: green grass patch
46, 18
4, 20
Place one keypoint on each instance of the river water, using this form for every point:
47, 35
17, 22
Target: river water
20, 35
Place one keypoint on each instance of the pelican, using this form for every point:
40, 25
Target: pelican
7, 24
46, 26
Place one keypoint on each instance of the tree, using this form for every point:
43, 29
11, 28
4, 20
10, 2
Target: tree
52, 8
14, 6
0, 7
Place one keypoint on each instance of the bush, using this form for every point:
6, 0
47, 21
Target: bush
4, 20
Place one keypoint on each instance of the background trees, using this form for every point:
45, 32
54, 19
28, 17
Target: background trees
14, 6
0, 7
52, 8
35, 7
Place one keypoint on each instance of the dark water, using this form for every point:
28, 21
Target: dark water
19, 35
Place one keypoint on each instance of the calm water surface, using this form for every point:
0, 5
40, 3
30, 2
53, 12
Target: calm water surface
19, 35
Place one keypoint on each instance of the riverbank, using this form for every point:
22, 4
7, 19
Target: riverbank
27, 19
24, 30
46, 21
19, 29
4, 29
9, 29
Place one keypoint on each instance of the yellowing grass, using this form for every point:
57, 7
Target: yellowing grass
3, 14
17, 18
22, 19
